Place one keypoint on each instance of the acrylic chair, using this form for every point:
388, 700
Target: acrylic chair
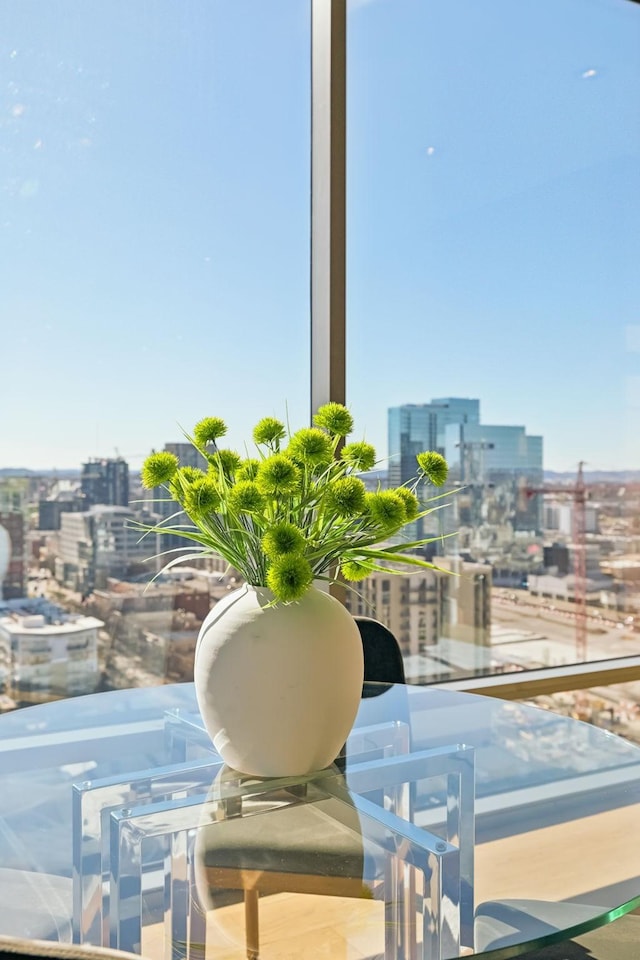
311, 850
382, 654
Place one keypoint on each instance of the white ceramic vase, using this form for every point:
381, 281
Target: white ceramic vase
278, 686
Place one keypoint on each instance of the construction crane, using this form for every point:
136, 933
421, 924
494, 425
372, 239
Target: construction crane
578, 493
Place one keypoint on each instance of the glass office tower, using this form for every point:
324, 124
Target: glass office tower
497, 464
414, 427
480, 452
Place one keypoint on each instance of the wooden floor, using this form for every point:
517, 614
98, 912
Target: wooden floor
292, 927
563, 860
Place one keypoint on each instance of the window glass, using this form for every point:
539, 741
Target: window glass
493, 186
154, 171
615, 707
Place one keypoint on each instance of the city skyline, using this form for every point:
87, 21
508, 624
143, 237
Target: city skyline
154, 239
8, 469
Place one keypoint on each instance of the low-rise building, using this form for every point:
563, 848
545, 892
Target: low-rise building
50, 654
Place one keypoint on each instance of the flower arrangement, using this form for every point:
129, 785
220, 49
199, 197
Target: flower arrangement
295, 512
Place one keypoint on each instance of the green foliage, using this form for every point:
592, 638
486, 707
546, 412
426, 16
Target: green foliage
346, 496
209, 430
311, 446
182, 480
269, 431
289, 576
286, 517
278, 476
356, 569
334, 418
359, 455
283, 538
201, 497
248, 470
410, 502
434, 466
223, 462
245, 497
386, 510
158, 468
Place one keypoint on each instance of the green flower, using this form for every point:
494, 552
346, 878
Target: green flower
158, 468
359, 455
182, 479
335, 418
245, 497
278, 475
311, 446
248, 470
226, 461
346, 496
268, 430
411, 502
293, 509
434, 467
283, 538
201, 497
289, 576
356, 569
386, 509
209, 430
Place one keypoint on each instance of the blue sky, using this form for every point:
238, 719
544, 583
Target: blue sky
154, 168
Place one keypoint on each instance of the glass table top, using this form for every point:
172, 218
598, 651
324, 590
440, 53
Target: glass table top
456, 825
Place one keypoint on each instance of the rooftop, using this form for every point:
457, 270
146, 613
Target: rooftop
38, 616
37, 625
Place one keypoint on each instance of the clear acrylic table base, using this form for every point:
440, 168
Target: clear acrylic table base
192, 763
425, 881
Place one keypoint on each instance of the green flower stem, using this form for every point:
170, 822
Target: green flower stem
218, 538
402, 558
324, 521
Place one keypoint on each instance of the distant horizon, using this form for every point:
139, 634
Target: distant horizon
7, 472
135, 460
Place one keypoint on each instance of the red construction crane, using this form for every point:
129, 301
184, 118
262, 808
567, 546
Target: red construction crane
578, 493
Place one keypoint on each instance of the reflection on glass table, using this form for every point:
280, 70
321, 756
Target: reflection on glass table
454, 825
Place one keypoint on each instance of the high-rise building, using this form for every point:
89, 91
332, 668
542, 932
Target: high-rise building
106, 482
415, 427
186, 454
479, 453
496, 465
501, 460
